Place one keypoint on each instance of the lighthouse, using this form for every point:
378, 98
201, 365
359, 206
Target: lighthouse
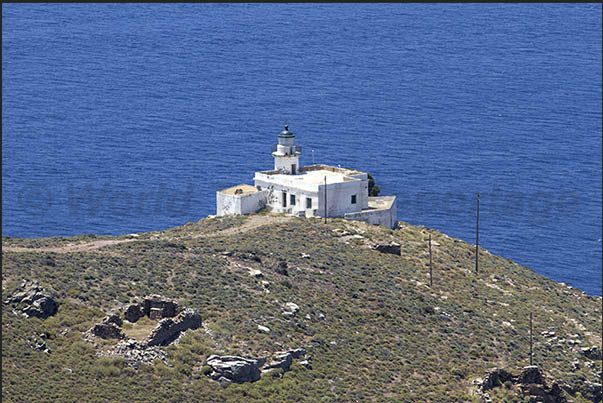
316, 190
286, 153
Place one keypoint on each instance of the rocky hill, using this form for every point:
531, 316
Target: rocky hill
274, 308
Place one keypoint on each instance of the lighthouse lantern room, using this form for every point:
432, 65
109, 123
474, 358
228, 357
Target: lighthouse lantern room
286, 153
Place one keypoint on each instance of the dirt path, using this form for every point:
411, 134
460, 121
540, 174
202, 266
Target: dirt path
83, 247
253, 222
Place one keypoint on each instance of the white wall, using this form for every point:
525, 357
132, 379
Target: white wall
339, 198
274, 198
385, 217
229, 204
252, 202
283, 163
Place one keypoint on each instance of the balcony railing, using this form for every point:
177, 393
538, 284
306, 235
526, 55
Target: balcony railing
294, 149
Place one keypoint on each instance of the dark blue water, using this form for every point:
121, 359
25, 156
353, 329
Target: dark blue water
123, 118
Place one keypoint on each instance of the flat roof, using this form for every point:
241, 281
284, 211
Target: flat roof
244, 190
313, 176
381, 202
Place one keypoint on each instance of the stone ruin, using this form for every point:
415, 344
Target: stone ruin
109, 328
173, 320
532, 385
168, 329
154, 307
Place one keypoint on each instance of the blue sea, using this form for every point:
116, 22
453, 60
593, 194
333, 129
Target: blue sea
120, 118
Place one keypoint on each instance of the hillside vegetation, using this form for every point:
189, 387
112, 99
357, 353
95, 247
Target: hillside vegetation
373, 327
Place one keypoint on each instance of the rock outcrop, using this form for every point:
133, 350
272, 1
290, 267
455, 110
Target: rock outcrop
592, 353
37, 342
281, 268
227, 369
393, 248
284, 359
169, 329
33, 300
290, 309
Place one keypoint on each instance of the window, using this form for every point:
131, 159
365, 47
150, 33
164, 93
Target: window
308, 202
292, 200
284, 199
293, 167
353, 199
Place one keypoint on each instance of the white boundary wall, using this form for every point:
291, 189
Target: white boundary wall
229, 204
386, 217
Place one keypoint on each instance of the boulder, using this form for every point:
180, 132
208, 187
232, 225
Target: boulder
281, 359
284, 359
263, 329
255, 273
33, 300
291, 307
234, 369
281, 268
306, 363
38, 342
168, 329
133, 312
391, 248
298, 352
593, 353
592, 391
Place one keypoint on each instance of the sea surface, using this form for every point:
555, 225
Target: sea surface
120, 118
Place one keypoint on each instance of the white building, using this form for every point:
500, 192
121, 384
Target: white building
310, 191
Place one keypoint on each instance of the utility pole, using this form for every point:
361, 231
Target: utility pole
325, 199
531, 339
312, 157
430, 271
477, 238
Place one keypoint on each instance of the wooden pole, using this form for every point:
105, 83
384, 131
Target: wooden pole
477, 238
430, 270
325, 199
531, 340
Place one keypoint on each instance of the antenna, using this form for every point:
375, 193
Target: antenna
312, 157
477, 237
326, 211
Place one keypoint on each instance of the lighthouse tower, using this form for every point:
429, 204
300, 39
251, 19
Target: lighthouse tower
286, 153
